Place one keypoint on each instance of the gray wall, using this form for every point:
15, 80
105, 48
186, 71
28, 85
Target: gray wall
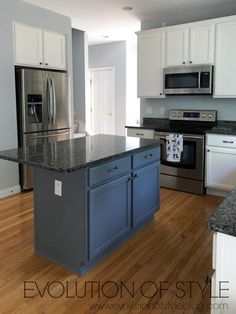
226, 107
79, 46
113, 55
16, 10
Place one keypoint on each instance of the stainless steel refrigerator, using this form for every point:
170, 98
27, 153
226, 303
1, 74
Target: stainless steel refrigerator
43, 111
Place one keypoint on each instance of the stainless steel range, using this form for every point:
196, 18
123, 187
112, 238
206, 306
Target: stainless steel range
188, 174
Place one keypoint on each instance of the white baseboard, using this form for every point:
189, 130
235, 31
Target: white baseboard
216, 192
10, 191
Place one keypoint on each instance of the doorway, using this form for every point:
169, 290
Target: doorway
102, 101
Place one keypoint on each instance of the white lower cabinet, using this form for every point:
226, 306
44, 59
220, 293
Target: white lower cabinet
223, 289
221, 162
141, 133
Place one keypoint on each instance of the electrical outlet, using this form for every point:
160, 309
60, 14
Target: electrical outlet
149, 110
162, 111
58, 188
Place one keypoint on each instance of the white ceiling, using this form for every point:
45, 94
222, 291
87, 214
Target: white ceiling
106, 18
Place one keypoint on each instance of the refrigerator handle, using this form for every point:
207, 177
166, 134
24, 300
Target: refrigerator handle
49, 100
54, 101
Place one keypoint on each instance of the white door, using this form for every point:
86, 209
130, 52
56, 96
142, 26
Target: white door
177, 47
102, 82
225, 64
202, 41
221, 168
54, 50
28, 43
151, 61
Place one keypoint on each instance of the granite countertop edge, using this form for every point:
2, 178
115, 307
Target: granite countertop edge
223, 220
223, 127
156, 143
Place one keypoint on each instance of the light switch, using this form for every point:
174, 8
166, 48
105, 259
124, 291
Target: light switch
58, 188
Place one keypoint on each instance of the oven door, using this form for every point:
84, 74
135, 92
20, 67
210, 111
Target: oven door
192, 158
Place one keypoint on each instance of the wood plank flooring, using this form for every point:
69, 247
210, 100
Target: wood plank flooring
173, 251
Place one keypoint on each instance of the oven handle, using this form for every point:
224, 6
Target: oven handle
163, 136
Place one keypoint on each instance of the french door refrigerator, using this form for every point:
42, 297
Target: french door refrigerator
43, 111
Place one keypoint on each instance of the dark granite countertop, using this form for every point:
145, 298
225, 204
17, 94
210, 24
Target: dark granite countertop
223, 127
224, 218
164, 125
70, 155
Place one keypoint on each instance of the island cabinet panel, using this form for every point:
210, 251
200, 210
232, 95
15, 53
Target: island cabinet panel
146, 157
146, 193
61, 224
109, 170
109, 214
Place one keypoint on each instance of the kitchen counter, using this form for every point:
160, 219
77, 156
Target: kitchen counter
90, 195
223, 127
164, 125
70, 155
224, 218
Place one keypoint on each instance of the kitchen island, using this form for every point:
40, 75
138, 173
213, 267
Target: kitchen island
223, 223
90, 195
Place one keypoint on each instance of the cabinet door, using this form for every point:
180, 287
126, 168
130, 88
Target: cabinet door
151, 54
54, 50
28, 45
225, 63
177, 47
146, 193
109, 214
220, 168
202, 40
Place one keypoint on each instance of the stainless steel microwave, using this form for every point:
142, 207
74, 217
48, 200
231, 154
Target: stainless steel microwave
190, 80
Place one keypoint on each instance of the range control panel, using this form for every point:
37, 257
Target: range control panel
193, 115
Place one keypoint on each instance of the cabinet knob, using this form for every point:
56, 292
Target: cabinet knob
46, 63
184, 62
208, 150
160, 94
190, 62
40, 63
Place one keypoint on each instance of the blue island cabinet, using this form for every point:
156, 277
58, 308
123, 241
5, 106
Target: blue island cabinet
99, 207
146, 193
109, 214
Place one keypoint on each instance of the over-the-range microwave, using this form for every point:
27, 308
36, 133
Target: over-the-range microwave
190, 80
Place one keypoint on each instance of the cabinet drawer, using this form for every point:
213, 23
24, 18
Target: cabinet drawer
142, 133
221, 140
109, 170
146, 157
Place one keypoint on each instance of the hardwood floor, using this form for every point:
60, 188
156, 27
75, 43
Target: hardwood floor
175, 247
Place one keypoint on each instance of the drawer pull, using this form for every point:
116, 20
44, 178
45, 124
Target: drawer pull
140, 134
148, 156
228, 142
112, 169
135, 176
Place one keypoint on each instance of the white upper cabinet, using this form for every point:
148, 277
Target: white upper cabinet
151, 61
201, 44
177, 46
28, 45
193, 44
54, 50
225, 62
39, 48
